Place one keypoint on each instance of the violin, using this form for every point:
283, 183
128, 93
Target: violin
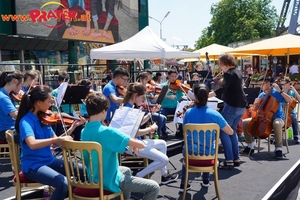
121, 90
177, 85
16, 97
51, 118
150, 107
153, 88
185, 108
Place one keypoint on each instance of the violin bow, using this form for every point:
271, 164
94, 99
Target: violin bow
207, 63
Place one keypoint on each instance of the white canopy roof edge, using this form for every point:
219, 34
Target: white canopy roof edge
143, 45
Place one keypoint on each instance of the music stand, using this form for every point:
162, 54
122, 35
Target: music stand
162, 94
74, 94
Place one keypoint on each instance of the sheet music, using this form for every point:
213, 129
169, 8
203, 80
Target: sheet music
61, 92
213, 104
127, 120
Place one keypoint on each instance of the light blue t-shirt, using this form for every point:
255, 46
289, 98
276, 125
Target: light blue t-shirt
6, 106
113, 142
169, 103
204, 115
30, 125
110, 88
278, 97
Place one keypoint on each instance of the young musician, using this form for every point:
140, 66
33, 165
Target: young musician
120, 78
211, 116
38, 164
235, 102
291, 91
278, 118
30, 77
82, 107
10, 82
116, 178
159, 118
155, 150
170, 101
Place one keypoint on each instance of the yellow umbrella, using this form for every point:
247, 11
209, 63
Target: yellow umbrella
213, 50
281, 45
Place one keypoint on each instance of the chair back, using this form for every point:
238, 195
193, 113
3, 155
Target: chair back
75, 152
201, 142
14, 150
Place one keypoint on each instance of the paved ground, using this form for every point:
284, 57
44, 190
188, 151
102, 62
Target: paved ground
251, 181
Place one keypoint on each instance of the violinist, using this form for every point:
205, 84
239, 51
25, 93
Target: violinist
235, 102
157, 78
209, 116
30, 78
277, 119
120, 78
171, 99
196, 77
288, 88
10, 82
37, 162
155, 150
159, 118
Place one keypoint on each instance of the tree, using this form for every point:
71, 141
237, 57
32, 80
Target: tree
236, 20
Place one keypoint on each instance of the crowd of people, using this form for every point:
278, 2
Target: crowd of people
36, 139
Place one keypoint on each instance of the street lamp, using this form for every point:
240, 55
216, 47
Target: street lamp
160, 22
274, 60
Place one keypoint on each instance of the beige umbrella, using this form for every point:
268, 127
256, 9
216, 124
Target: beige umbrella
281, 45
213, 50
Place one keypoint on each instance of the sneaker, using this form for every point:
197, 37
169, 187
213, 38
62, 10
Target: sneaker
205, 183
247, 150
170, 178
278, 154
188, 187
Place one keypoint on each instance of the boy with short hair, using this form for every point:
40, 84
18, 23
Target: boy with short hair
116, 178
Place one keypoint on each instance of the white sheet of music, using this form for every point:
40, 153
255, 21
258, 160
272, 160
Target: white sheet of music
212, 103
127, 120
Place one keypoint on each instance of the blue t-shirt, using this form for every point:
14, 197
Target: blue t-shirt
169, 103
204, 115
113, 142
30, 125
83, 111
6, 107
278, 97
110, 88
292, 94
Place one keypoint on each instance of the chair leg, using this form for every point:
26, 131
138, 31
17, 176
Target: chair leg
258, 145
217, 183
185, 182
286, 142
269, 144
18, 193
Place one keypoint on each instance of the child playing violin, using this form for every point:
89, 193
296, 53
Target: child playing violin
155, 150
159, 118
120, 78
115, 178
10, 82
38, 163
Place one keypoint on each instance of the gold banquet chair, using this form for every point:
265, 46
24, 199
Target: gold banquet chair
284, 131
198, 161
19, 180
4, 152
73, 151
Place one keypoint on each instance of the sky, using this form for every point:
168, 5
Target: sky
187, 19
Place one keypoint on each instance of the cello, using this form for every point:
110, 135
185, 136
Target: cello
261, 125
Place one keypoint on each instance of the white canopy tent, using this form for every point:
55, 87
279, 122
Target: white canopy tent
143, 45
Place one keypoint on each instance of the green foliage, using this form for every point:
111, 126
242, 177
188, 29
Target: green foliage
236, 20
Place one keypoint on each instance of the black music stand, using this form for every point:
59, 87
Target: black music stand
74, 94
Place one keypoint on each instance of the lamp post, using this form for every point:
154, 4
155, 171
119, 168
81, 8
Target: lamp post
160, 22
274, 60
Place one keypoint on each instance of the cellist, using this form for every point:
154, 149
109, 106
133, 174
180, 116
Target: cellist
277, 119
288, 88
